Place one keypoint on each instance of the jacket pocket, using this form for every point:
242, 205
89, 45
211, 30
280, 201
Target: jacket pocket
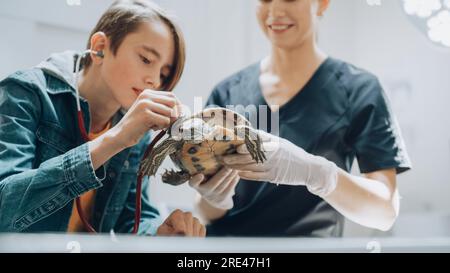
52, 141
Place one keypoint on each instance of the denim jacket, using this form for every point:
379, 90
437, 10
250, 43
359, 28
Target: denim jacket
45, 164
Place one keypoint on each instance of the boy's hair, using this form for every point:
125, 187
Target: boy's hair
124, 17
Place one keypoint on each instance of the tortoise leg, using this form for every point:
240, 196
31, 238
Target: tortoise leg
175, 178
151, 163
253, 142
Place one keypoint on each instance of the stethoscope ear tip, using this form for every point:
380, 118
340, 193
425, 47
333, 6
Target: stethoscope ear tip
96, 53
100, 54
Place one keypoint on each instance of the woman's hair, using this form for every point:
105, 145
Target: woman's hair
124, 17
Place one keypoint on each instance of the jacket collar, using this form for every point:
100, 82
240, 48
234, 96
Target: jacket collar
60, 66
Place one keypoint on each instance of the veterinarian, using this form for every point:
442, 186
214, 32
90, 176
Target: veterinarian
45, 164
330, 112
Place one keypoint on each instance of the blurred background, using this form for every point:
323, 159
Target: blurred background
403, 42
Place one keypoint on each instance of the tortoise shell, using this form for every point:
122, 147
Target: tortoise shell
205, 157
197, 144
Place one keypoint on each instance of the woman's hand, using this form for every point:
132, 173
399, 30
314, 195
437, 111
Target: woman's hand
181, 223
152, 110
286, 164
218, 191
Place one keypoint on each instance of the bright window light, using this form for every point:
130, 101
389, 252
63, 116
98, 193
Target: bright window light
422, 8
432, 17
447, 4
439, 28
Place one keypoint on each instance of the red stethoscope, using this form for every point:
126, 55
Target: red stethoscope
81, 126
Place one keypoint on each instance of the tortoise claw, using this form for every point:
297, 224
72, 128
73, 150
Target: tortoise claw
254, 145
175, 178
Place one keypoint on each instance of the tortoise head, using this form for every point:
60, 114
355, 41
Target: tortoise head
190, 129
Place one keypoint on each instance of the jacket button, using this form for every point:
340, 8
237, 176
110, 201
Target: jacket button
126, 164
112, 174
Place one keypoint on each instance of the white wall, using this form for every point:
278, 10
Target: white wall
415, 73
223, 36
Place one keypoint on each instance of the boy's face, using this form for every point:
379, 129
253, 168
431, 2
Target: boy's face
142, 61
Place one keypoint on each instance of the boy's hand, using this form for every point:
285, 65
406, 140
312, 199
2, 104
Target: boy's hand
181, 223
152, 110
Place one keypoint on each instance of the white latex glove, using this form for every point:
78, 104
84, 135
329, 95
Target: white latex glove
218, 191
286, 164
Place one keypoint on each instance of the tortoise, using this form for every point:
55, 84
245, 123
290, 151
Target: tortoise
197, 143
